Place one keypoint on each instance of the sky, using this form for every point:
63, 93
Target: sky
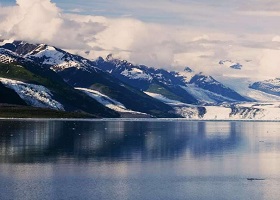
171, 34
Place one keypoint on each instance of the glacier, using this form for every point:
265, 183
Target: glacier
108, 102
33, 95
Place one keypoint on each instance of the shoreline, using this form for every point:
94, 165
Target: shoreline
136, 119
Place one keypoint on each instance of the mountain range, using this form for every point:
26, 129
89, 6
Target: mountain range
49, 78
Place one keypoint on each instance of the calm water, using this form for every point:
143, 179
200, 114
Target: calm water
122, 160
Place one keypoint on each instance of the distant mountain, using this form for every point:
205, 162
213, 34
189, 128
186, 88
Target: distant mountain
27, 88
178, 86
271, 86
146, 79
212, 85
44, 76
75, 71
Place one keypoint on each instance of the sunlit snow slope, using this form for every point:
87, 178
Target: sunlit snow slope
33, 95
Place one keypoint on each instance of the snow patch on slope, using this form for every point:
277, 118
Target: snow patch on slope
135, 73
198, 93
3, 42
187, 111
33, 95
164, 99
7, 56
107, 101
205, 96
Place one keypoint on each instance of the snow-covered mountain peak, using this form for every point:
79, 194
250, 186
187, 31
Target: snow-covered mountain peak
187, 86
50, 55
38, 49
205, 79
135, 73
231, 64
55, 58
117, 62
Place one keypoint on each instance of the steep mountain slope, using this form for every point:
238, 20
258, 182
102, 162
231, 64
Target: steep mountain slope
112, 104
146, 79
33, 95
132, 98
186, 87
173, 85
111, 87
76, 71
212, 85
32, 86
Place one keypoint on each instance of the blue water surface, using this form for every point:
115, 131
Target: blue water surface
139, 160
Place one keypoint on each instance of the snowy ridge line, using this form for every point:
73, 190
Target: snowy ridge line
58, 60
135, 73
33, 95
53, 57
107, 101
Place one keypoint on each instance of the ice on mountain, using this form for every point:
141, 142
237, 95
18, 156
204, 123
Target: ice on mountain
107, 101
33, 95
135, 73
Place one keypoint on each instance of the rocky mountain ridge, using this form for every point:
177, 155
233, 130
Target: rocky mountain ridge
120, 88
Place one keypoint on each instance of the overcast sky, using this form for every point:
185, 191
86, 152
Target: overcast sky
162, 33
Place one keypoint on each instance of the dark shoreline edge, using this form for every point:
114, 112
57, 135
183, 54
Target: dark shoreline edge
131, 120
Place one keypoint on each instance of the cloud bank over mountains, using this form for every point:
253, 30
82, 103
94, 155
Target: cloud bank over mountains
168, 45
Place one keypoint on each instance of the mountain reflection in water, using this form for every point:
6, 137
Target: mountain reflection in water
89, 141
139, 160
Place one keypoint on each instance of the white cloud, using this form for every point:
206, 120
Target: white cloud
162, 45
32, 19
276, 38
202, 37
270, 63
263, 13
